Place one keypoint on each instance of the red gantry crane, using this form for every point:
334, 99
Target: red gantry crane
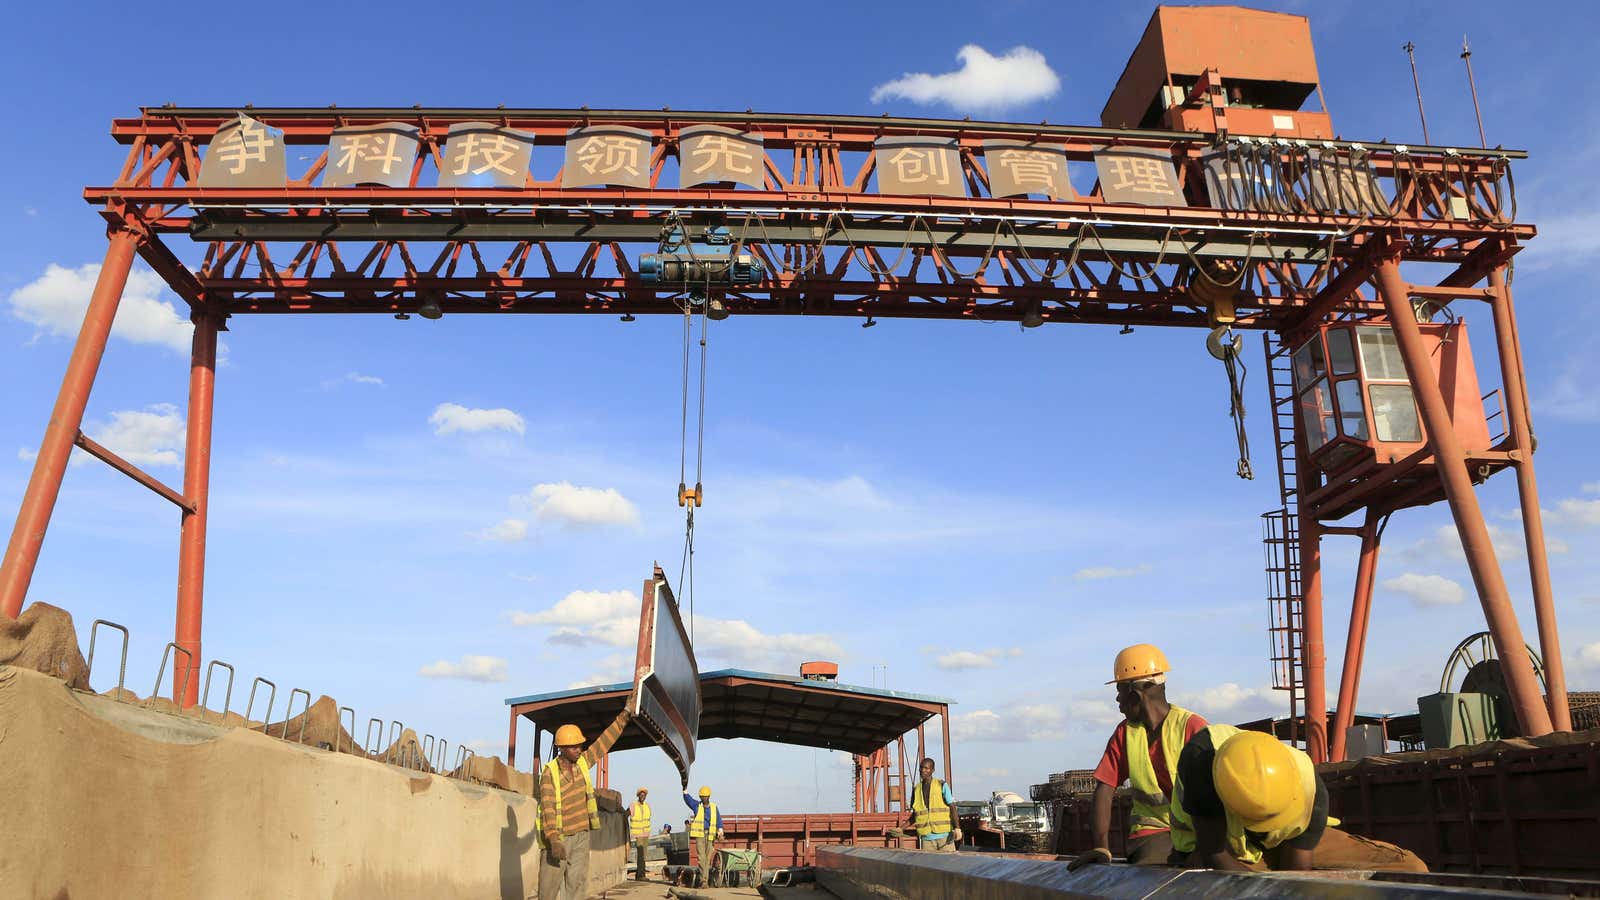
1208, 198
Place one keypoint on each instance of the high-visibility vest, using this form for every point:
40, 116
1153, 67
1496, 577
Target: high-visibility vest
1247, 848
639, 819
929, 813
554, 768
1150, 802
704, 821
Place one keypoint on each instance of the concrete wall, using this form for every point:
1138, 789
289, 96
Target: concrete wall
106, 800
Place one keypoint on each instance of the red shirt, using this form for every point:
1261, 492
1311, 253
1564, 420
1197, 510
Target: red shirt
1113, 768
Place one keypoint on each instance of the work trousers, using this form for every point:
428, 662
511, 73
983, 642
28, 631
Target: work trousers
942, 843
639, 844
1343, 850
703, 847
1154, 849
569, 878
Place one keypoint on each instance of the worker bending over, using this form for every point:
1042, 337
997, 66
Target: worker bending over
931, 813
567, 810
707, 821
1143, 751
639, 829
1244, 800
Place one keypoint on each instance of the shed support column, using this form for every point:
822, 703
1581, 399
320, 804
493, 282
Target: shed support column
944, 723
1450, 458
1356, 642
196, 489
1521, 428
511, 742
39, 499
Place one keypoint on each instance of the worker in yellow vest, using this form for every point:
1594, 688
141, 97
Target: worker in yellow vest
567, 811
707, 821
1245, 800
1143, 751
931, 812
639, 829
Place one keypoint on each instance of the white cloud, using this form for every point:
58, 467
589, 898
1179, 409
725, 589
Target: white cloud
1576, 512
453, 417
1426, 590
972, 659
1445, 543
1227, 697
1041, 722
983, 82
329, 384
992, 773
577, 506
611, 619
55, 303
583, 608
612, 669
1591, 487
507, 531
1589, 655
152, 436
471, 668
964, 659
1100, 573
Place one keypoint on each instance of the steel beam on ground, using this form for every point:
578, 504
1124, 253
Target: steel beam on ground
1544, 608
1532, 715
66, 419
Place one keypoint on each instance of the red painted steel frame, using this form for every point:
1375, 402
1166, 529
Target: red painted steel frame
196, 487
1355, 643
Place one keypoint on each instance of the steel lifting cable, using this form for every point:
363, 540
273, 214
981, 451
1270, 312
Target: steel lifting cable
1236, 377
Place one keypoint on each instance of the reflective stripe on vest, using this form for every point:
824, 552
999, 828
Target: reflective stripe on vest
1150, 802
704, 821
1247, 848
929, 813
588, 794
639, 819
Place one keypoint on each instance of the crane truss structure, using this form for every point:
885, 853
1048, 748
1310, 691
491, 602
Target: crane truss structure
844, 216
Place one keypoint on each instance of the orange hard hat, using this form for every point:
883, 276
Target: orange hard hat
569, 736
1138, 661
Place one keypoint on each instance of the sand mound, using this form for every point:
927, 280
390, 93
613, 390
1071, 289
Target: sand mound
43, 639
318, 726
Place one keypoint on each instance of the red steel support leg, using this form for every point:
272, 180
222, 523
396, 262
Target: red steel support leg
196, 489
1315, 659
1450, 458
1355, 644
39, 500
1544, 607
944, 722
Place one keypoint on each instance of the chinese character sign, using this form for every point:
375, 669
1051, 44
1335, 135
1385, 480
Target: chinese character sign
371, 154
607, 155
479, 154
1137, 175
917, 165
1017, 169
709, 154
244, 153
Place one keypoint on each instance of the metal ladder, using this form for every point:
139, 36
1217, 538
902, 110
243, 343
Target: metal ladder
1280, 538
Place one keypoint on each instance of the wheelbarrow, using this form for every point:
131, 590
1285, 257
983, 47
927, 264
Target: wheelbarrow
734, 867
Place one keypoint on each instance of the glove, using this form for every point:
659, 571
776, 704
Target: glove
956, 835
895, 833
1096, 856
558, 850
719, 834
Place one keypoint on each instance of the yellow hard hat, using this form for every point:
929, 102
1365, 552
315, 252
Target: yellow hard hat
1138, 661
705, 791
1258, 781
642, 791
569, 736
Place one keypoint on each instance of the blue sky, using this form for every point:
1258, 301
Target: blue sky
933, 498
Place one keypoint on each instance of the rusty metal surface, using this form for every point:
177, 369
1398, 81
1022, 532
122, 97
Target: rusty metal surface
860, 872
666, 691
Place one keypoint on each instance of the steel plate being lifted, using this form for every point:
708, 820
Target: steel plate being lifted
666, 679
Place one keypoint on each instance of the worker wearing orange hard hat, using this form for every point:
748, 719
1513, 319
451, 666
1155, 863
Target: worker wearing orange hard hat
1245, 800
567, 811
707, 821
1143, 751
